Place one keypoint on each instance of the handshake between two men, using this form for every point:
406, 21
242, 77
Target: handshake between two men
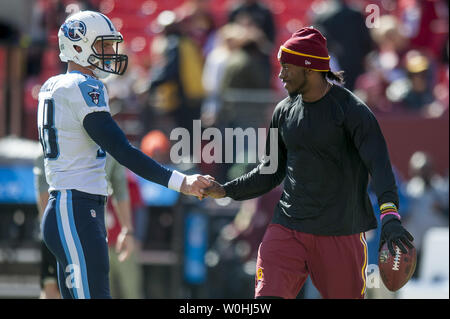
202, 186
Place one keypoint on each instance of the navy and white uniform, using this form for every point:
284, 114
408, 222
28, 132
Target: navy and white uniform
75, 129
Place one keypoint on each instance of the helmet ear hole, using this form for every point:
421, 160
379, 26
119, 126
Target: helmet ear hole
78, 48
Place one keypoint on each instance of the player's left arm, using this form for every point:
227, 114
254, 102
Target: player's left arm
365, 132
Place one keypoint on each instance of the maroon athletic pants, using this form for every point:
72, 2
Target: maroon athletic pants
336, 264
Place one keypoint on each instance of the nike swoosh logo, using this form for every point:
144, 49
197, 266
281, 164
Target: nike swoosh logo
96, 87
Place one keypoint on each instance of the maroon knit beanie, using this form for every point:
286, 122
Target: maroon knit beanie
306, 48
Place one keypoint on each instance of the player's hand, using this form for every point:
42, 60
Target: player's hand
215, 190
393, 232
124, 245
193, 184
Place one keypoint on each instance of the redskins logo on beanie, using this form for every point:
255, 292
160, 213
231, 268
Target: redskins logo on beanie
306, 48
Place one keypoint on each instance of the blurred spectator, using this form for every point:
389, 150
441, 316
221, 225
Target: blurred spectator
426, 24
58, 10
198, 23
409, 68
414, 92
256, 17
156, 145
441, 91
125, 91
175, 86
383, 65
392, 44
244, 73
348, 38
125, 273
417, 91
8, 34
229, 38
259, 14
246, 68
46, 18
38, 39
429, 199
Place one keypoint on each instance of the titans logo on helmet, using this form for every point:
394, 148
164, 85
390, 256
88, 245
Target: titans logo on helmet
74, 29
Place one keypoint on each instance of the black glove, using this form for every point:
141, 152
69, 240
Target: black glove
392, 231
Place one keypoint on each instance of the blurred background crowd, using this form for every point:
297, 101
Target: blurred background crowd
215, 60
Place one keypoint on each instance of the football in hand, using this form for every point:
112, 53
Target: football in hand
395, 271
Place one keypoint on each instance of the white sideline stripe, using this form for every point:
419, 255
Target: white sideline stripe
70, 243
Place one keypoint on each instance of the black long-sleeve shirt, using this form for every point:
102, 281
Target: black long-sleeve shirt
326, 151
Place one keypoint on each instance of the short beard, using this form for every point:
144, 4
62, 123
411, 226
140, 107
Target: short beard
301, 88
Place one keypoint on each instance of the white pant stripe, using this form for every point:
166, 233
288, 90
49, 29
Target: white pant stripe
68, 236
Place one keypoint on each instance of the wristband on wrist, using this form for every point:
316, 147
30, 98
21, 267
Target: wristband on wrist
176, 180
384, 215
388, 209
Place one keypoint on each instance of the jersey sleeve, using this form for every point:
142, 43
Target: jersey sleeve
87, 96
364, 130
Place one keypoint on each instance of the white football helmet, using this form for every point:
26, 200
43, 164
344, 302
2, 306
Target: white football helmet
84, 29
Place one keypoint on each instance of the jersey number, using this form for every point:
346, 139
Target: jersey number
47, 131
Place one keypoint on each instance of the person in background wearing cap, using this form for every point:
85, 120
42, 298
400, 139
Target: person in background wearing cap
419, 91
328, 144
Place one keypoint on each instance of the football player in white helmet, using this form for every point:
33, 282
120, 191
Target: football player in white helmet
75, 130
90, 39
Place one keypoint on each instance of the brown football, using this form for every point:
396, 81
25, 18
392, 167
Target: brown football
395, 271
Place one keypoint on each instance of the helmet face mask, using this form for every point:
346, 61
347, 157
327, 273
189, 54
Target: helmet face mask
114, 63
82, 40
